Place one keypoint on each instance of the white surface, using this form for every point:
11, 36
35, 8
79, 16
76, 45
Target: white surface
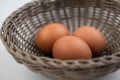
9, 69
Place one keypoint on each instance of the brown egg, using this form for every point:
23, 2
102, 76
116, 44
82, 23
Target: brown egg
92, 37
71, 48
47, 36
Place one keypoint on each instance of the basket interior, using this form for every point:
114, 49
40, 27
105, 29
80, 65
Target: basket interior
101, 14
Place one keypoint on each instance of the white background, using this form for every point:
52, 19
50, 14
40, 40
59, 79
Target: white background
9, 69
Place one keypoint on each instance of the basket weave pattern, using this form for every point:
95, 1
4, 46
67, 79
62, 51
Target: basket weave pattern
19, 30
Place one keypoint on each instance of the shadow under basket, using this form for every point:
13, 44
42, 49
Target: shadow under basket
19, 30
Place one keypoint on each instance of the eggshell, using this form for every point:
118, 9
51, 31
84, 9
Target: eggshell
71, 48
47, 36
92, 37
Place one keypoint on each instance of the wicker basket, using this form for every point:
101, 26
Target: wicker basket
19, 30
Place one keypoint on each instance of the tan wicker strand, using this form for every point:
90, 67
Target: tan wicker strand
19, 30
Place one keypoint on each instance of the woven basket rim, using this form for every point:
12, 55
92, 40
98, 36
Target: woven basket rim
100, 59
